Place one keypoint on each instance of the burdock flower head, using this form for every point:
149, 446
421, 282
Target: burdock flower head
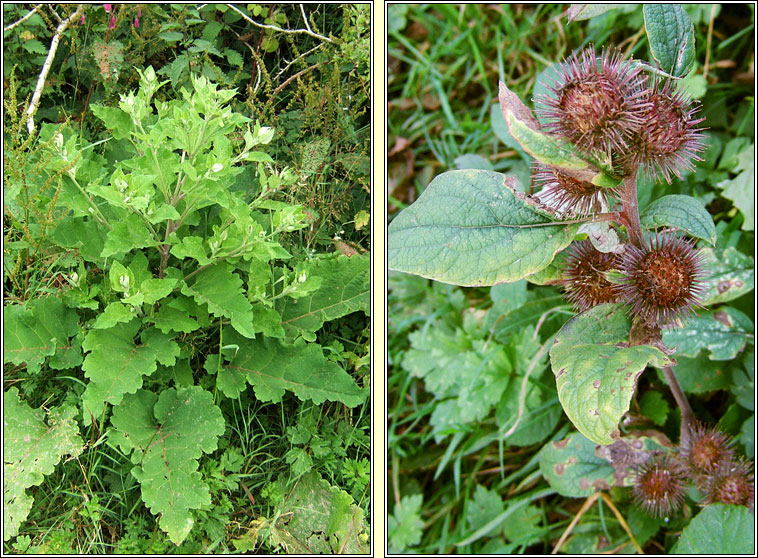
585, 282
731, 483
662, 281
597, 104
708, 448
567, 195
669, 140
659, 485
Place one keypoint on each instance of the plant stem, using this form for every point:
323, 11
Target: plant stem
631, 210
688, 417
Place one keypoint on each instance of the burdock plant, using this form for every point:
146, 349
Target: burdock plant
603, 122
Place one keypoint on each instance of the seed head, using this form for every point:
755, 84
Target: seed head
585, 283
669, 140
709, 447
596, 104
663, 281
731, 483
659, 485
570, 196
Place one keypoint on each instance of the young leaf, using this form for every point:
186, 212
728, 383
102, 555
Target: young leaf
39, 330
596, 374
167, 435
273, 367
472, 228
671, 36
219, 288
683, 212
345, 288
31, 449
405, 526
116, 364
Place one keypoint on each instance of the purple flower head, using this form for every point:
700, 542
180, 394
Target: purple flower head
82, 21
112, 23
136, 22
107, 8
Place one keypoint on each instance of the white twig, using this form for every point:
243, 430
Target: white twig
46, 66
289, 64
279, 29
23, 19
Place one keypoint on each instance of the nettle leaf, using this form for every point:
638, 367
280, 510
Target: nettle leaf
43, 328
273, 367
546, 148
671, 36
168, 433
345, 288
127, 234
116, 364
729, 274
471, 228
219, 288
596, 373
718, 529
723, 332
31, 449
683, 212
323, 519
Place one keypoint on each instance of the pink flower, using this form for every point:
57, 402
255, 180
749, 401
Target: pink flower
107, 8
82, 21
113, 23
136, 22
139, 12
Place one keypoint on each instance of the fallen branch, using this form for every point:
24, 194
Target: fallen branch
23, 19
48, 63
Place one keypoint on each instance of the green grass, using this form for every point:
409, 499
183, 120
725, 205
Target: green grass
443, 68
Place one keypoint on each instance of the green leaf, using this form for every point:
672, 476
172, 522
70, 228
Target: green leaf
116, 364
31, 449
596, 373
167, 435
718, 529
723, 332
127, 235
86, 235
572, 467
191, 247
485, 505
472, 161
322, 519
580, 12
170, 36
345, 288
671, 36
115, 313
219, 288
729, 274
683, 212
546, 148
699, 375
41, 329
115, 119
472, 228
273, 367
741, 189
654, 407
405, 526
